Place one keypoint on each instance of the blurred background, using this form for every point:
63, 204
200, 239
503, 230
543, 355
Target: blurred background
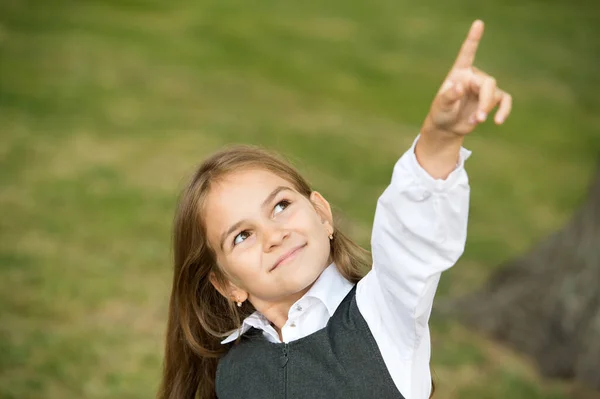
107, 106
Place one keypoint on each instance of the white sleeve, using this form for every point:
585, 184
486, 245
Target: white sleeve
419, 231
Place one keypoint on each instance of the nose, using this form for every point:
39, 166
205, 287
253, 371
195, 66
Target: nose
273, 237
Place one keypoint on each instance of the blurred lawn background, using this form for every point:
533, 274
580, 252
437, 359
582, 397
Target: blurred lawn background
106, 106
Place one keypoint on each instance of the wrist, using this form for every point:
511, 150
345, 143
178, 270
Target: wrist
438, 150
435, 133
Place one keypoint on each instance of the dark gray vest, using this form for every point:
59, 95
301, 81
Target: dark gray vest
341, 360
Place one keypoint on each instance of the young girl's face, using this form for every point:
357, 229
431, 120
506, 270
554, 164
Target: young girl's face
270, 240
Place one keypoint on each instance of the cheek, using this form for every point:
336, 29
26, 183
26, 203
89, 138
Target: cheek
318, 233
307, 218
317, 226
243, 262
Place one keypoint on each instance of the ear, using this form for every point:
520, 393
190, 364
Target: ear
323, 209
228, 289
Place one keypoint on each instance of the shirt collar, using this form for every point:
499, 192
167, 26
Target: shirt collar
330, 289
256, 320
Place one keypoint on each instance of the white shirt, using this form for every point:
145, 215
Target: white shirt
419, 231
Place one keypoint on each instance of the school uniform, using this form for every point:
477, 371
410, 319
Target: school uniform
370, 340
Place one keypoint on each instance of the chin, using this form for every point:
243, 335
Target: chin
304, 277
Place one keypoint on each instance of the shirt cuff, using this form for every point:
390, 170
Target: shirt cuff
435, 185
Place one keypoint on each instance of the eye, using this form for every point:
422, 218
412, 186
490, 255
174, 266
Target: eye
281, 205
240, 237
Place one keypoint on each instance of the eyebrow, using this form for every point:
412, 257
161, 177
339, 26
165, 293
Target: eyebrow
266, 202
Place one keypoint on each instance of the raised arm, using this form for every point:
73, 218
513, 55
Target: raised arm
420, 222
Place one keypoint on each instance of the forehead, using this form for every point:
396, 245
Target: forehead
246, 184
237, 196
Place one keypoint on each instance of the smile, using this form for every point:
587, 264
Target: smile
288, 257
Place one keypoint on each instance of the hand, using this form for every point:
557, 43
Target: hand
468, 95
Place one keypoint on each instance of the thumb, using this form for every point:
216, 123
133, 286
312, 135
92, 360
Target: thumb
450, 93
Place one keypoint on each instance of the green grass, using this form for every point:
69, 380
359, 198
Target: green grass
106, 106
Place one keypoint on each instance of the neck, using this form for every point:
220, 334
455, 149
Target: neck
277, 312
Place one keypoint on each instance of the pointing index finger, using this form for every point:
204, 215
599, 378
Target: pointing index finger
467, 52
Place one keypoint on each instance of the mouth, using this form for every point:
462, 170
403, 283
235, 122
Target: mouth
287, 257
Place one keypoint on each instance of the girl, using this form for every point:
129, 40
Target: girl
271, 300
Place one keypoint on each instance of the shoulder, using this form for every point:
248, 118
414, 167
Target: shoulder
247, 343
347, 316
240, 354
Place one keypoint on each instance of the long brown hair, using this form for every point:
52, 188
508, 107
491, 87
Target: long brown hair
199, 317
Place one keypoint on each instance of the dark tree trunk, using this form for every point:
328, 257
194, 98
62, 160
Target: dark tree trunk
546, 304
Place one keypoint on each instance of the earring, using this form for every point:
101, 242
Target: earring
237, 302
331, 236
